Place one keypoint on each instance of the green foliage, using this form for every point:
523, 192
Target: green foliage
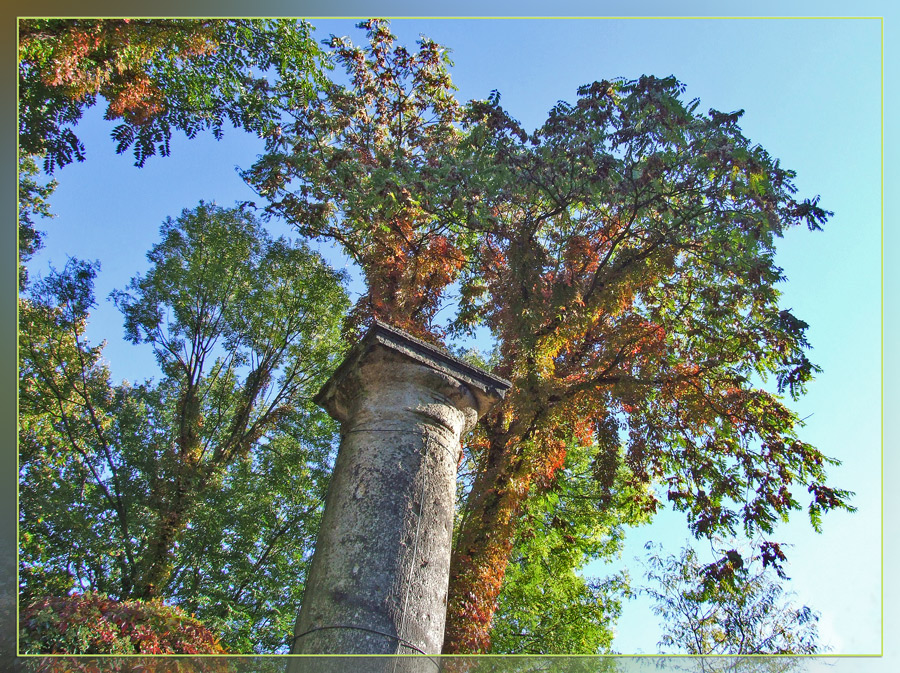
243, 559
217, 279
91, 623
33, 195
726, 607
65, 400
158, 75
546, 605
204, 487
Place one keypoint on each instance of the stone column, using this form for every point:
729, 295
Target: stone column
378, 580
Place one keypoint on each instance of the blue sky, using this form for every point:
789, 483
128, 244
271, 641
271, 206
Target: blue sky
811, 91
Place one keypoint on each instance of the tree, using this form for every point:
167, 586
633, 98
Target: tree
368, 165
714, 610
157, 75
626, 270
121, 487
622, 256
216, 279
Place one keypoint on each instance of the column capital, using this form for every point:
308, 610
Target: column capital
382, 342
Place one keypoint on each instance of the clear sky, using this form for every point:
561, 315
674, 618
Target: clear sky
811, 91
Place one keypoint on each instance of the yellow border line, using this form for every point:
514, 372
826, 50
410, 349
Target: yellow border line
882, 336
18, 374
442, 18
448, 657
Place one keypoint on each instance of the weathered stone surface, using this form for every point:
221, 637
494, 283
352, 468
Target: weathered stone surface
356, 663
378, 579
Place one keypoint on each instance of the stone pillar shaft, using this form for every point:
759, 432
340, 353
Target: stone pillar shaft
378, 579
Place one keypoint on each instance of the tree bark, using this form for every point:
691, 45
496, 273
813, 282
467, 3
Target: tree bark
483, 545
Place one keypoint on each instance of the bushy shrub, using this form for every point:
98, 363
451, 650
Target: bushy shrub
94, 624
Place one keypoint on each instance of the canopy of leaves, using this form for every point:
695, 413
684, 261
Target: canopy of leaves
122, 487
546, 605
622, 256
746, 613
367, 164
156, 76
91, 623
625, 266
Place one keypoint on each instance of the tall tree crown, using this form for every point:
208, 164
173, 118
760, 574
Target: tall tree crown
368, 164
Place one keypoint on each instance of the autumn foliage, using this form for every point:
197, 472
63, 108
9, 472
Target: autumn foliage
108, 57
157, 76
94, 624
626, 269
369, 165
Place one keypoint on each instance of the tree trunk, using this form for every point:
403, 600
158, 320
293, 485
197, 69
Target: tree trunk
172, 504
484, 543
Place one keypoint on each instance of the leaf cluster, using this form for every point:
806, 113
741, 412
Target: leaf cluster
546, 604
92, 623
33, 203
366, 163
156, 76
